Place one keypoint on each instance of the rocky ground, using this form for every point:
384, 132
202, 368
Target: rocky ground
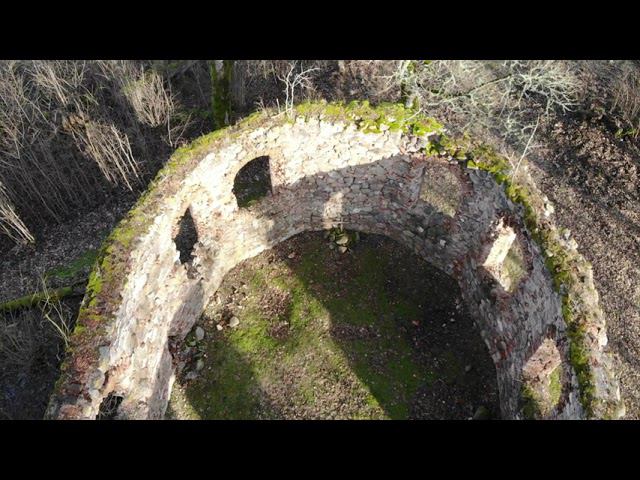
305, 332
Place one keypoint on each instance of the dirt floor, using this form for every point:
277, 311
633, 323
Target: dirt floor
59, 246
305, 332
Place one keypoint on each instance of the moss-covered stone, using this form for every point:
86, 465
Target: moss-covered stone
34, 299
371, 119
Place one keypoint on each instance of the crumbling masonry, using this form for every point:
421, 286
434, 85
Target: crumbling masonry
327, 168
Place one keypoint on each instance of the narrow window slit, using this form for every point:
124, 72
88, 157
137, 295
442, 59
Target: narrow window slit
186, 238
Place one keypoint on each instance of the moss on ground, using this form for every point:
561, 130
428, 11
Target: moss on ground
345, 334
249, 355
75, 267
530, 403
34, 299
555, 385
513, 267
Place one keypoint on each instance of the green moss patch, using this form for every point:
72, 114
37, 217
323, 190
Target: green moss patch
514, 267
75, 267
539, 400
371, 119
35, 299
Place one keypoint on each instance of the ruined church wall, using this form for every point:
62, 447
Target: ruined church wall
323, 174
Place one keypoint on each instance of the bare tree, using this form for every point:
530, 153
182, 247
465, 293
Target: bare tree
489, 97
626, 97
69, 130
296, 78
108, 147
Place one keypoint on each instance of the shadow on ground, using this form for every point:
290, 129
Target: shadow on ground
375, 332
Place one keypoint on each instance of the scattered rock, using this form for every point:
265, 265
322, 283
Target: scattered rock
219, 327
234, 322
342, 249
291, 255
342, 240
467, 368
199, 364
199, 334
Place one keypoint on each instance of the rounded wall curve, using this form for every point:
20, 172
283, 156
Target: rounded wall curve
324, 172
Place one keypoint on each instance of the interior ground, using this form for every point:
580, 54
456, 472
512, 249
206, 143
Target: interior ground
303, 331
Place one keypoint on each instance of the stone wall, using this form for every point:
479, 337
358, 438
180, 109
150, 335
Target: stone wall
324, 172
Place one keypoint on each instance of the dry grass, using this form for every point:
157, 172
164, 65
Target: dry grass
66, 130
32, 345
10, 223
72, 130
626, 97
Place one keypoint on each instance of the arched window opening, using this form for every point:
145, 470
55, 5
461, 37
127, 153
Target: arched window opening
252, 182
